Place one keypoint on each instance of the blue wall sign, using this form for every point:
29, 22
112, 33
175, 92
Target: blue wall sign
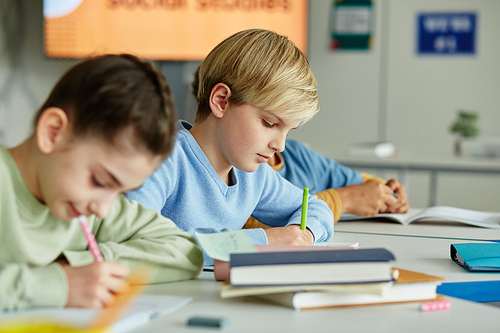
447, 33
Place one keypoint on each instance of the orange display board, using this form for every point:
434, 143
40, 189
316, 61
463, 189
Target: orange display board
163, 29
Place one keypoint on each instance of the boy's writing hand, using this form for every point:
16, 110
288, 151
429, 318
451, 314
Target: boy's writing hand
369, 198
401, 205
289, 235
94, 285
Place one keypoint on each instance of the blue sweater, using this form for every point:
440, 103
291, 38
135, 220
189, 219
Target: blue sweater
304, 167
188, 190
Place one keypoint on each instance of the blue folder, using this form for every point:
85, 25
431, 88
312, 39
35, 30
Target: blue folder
477, 291
475, 257
478, 257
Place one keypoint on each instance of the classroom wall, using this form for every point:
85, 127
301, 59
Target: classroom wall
416, 94
386, 93
26, 75
391, 93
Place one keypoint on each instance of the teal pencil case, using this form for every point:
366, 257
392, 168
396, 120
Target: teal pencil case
478, 257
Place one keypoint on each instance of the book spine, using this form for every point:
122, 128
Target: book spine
310, 257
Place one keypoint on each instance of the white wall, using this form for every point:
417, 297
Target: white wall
423, 91
422, 96
26, 75
347, 88
431, 88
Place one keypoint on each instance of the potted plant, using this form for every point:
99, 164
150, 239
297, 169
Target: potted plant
464, 127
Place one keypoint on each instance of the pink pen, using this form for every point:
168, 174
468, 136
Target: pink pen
435, 306
94, 249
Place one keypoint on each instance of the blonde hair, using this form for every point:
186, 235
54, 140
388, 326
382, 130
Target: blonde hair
263, 69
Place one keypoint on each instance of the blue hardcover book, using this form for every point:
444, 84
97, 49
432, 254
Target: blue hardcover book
311, 267
481, 257
309, 257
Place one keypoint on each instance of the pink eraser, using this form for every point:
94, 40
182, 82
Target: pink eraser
435, 306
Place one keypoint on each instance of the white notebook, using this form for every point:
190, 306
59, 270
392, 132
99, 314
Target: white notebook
144, 309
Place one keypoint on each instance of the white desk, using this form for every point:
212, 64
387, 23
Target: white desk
433, 164
423, 254
427, 255
249, 315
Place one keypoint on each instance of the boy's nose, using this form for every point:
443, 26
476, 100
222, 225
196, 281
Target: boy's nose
100, 207
278, 144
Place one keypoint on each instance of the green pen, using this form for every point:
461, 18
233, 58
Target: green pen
305, 200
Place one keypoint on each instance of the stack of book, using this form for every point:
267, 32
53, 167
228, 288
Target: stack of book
326, 278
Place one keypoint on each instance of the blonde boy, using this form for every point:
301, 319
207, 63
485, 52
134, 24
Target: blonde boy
254, 87
344, 190
106, 126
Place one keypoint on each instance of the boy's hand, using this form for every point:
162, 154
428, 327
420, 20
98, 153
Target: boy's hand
401, 205
369, 198
289, 235
94, 285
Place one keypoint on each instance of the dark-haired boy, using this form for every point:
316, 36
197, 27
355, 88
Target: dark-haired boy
106, 126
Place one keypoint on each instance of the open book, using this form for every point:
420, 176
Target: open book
145, 308
441, 213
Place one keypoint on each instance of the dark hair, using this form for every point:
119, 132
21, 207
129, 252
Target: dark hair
195, 84
104, 95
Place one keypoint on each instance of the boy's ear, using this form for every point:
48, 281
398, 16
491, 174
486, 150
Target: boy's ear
219, 99
50, 129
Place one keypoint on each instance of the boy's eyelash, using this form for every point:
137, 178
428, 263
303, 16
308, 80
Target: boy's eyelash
96, 182
267, 124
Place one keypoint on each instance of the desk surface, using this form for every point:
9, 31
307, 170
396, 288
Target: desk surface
249, 315
424, 254
431, 163
441, 162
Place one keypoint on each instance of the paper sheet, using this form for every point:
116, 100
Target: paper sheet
220, 245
